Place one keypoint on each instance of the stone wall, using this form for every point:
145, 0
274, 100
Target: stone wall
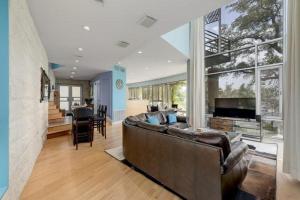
28, 117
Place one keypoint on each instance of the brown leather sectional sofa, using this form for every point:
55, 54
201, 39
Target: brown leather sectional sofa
202, 167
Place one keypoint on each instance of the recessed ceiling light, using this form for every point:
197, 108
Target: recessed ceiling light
80, 49
75, 68
146, 68
123, 44
139, 52
77, 61
87, 28
119, 63
169, 61
73, 73
71, 76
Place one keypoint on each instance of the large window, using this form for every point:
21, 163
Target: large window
165, 95
244, 57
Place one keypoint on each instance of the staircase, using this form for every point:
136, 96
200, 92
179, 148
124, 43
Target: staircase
58, 125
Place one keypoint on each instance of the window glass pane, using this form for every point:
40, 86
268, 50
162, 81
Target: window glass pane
64, 105
246, 22
179, 94
64, 91
270, 92
270, 53
231, 61
239, 84
64, 98
76, 91
155, 90
272, 129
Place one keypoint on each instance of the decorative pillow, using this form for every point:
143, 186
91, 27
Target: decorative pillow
153, 120
161, 118
172, 118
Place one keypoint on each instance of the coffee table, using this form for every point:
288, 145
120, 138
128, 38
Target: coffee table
233, 136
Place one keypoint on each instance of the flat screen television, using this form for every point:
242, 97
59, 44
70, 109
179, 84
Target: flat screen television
235, 107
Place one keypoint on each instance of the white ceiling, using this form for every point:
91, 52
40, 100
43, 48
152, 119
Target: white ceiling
59, 23
153, 62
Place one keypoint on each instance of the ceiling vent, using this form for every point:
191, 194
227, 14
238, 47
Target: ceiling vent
123, 44
101, 1
147, 21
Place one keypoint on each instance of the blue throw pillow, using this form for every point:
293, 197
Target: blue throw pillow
172, 118
153, 120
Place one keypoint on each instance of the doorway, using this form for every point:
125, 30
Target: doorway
70, 95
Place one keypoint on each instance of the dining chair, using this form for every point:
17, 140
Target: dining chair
82, 126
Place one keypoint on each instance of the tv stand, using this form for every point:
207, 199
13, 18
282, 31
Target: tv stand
249, 128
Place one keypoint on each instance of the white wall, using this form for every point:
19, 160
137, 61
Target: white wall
135, 107
28, 117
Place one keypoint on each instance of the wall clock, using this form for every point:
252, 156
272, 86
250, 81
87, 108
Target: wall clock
119, 84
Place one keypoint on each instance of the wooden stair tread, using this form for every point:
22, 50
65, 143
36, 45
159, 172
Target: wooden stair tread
53, 111
60, 130
66, 121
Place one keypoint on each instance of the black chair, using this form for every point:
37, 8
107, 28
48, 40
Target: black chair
82, 126
154, 108
96, 121
174, 105
101, 118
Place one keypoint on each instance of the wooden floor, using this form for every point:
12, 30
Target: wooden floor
61, 172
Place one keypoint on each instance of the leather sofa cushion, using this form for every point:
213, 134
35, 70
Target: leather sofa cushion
158, 128
142, 117
179, 125
132, 120
181, 133
216, 139
161, 118
237, 153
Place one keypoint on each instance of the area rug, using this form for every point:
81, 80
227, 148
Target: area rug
116, 153
259, 184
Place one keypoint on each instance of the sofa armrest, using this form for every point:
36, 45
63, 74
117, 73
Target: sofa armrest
181, 119
236, 154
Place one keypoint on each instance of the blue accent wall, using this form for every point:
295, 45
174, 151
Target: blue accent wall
179, 38
104, 93
119, 95
54, 66
108, 93
4, 105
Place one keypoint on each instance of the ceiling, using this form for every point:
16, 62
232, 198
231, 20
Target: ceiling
159, 59
60, 26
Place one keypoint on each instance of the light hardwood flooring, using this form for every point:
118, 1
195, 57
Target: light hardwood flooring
61, 172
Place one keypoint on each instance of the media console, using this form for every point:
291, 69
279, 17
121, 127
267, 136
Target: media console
250, 129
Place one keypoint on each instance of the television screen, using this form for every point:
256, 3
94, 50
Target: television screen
235, 107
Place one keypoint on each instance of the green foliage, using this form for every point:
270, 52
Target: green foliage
259, 20
179, 94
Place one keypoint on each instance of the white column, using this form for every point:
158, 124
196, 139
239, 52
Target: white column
291, 155
196, 78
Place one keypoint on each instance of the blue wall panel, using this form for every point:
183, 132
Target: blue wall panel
119, 95
4, 105
104, 95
